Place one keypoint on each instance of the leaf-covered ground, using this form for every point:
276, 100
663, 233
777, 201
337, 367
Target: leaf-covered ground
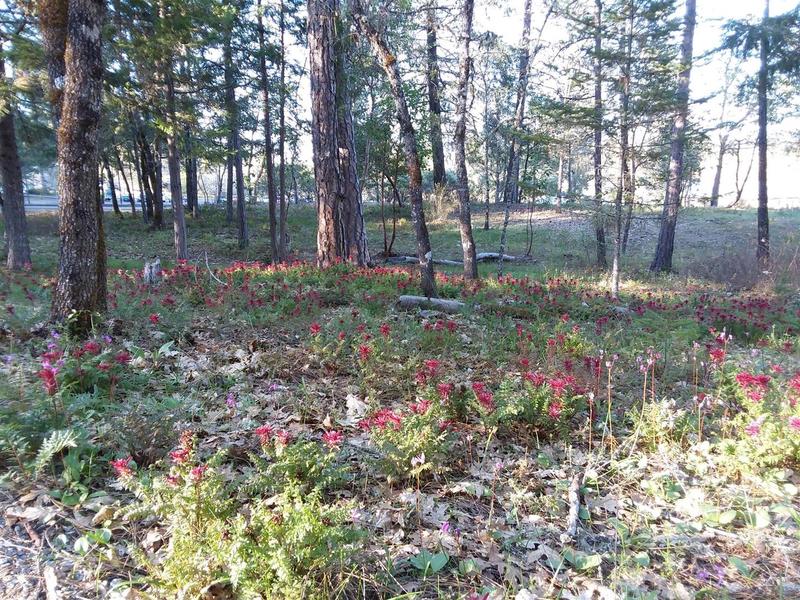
441, 455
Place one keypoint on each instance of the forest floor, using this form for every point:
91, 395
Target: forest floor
292, 433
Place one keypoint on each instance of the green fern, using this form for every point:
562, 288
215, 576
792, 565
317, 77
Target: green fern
14, 444
56, 442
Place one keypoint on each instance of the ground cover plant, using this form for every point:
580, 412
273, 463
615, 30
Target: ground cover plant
246, 430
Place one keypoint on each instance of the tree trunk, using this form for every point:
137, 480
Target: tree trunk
80, 289
121, 169
284, 205
232, 109
464, 214
110, 175
511, 190
16, 226
174, 165
275, 256
229, 184
723, 143
388, 62
762, 251
352, 239
158, 185
669, 220
599, 219
434, 104
321, 17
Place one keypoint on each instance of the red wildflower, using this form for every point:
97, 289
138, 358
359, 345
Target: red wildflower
421, 407
122, 466
364, 352
154, 318
284, 437
179, 456
385, 330
332, 439
48, 377
486, 399
264, 433
122, 358
555, 410
91, 347
537, 379
197, 473
445, 389
717, 355
315, 328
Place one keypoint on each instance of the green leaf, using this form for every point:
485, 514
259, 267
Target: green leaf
741, 566
82, 545
439, 561
758, 519
468, 567
582, 561
642, 559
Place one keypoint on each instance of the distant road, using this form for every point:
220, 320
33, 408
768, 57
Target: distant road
35, 203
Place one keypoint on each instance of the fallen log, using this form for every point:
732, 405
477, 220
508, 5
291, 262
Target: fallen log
480, 257
486, 256
447, 306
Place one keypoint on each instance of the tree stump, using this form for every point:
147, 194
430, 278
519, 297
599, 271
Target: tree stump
152, 272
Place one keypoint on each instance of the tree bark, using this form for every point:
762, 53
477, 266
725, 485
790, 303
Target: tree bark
16, 226
232, 108
511, 190
388, 61
464, 213
174, 165
669, 220
599, 218
110, 175
284, 205
275, 255
762, 250
80, 289
121, 169
321, 18
353, 238
434, 104
723, 143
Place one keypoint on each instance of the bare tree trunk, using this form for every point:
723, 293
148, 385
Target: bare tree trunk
121, 169
158, 185
762, 251
284, 218
599, 218
16, 226
353, 238
232, 109
229, 179
174, 165
321, 24
723, 147
669, 220
464, 214
511, 190
80, 289
388, 62
110, 175
268, 149
434, 104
